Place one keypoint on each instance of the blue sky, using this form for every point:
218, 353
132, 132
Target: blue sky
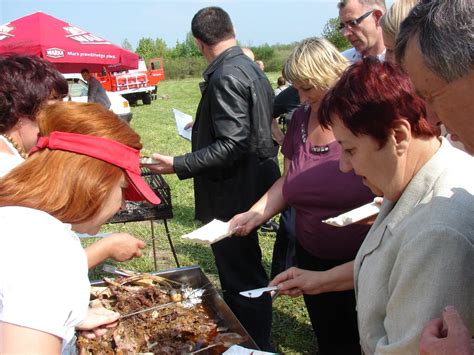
256, 21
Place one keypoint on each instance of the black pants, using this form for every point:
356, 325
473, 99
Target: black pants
333, 315
239, 262
284, 248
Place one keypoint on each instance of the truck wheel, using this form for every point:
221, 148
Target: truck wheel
132, 101
146, 99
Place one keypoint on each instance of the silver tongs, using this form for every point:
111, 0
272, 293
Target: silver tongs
149, 309
258, 291
116, 271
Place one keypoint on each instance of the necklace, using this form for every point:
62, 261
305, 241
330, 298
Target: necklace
15, 145
314, 149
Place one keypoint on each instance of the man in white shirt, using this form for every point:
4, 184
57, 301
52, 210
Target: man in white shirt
360, 25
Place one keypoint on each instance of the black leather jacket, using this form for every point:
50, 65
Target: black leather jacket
231, 137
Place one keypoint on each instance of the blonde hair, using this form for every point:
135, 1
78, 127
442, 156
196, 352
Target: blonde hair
317, 61
392, 19
71, 187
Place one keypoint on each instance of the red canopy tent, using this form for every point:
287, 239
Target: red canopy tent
67, 46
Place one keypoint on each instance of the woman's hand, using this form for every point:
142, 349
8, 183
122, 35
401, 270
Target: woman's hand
242, 224
118, 246
269, 205
295, 282
97, 322
124, 246
189, 125
370, 220
378, 200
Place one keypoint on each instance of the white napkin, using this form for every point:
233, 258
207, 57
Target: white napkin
210, 233
356, 215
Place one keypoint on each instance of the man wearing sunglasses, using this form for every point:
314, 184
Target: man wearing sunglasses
360, 24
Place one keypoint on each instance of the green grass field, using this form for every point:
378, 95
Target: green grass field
291, 332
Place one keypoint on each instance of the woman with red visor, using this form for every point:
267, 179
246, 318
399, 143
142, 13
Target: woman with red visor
28, 83
85, 163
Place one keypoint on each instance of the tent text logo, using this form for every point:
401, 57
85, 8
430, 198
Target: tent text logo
5, 31
54, 53
82, 36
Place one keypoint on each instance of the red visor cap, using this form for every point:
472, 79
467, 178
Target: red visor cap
107, 150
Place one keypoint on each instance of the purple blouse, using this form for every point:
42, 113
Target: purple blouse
317, 189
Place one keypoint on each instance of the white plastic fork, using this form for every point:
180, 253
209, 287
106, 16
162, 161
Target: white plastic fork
258, 291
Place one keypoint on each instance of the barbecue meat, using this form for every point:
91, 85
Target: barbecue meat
177, 328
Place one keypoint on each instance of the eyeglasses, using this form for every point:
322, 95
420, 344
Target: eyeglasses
353, 23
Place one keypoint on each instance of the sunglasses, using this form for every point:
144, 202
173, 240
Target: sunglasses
354, 23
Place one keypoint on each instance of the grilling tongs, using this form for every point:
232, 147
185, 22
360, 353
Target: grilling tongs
116, 271
164, 305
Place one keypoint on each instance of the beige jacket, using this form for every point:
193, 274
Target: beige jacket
419, 256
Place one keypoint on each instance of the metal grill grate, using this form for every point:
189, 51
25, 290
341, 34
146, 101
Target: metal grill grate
144, 211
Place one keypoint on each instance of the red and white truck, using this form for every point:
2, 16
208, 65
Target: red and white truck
138, 84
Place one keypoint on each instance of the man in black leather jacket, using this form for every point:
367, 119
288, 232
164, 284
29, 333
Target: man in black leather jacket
233, 161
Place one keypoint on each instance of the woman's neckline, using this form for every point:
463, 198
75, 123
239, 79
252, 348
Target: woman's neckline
321, 135
9, 148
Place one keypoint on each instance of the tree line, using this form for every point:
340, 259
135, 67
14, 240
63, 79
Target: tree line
184, 59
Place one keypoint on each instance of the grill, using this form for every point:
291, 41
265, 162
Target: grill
218, 310
143, 211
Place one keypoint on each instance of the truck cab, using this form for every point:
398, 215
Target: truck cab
138, 84
78, 89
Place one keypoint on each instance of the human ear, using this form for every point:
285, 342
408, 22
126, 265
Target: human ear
378, 15
198, 44
401, 131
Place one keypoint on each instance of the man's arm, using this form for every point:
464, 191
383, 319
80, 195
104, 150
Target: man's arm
231, 122
277, 133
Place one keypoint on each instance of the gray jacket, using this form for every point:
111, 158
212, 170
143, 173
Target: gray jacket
418, 256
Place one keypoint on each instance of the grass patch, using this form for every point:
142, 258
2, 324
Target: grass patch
292, 332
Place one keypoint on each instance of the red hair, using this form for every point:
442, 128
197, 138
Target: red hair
71, 187
370, 96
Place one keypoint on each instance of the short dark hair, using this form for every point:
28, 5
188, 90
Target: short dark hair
212, 25
367, 3
85, 70
370, 96
26, 83
281, 81
445, 31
